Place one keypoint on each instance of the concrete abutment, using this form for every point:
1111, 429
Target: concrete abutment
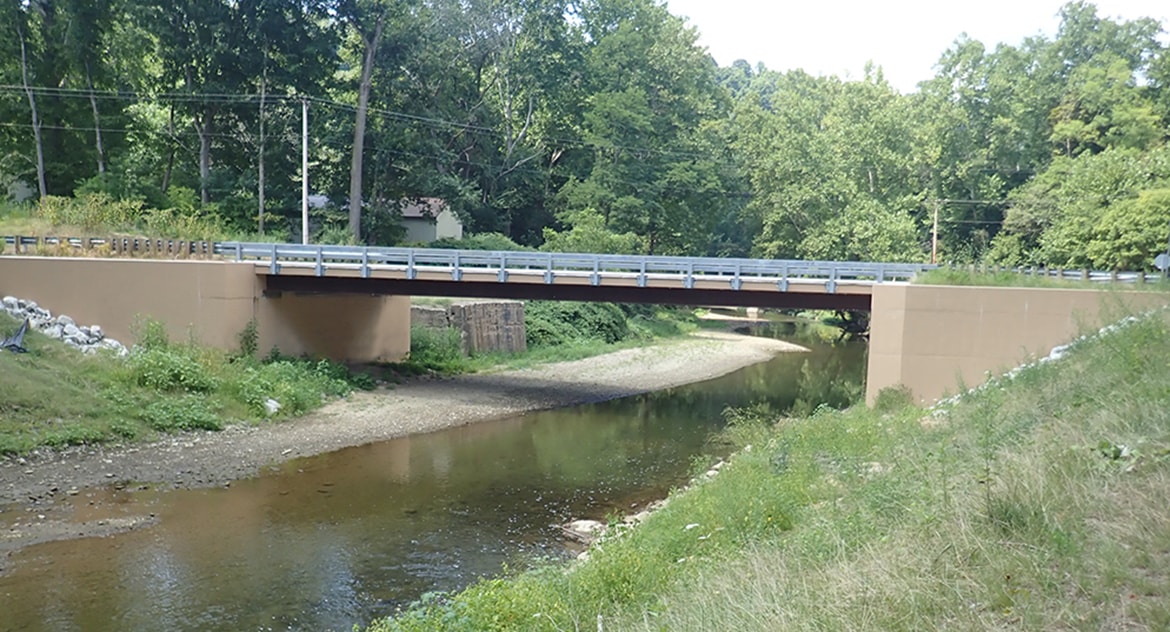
212, 301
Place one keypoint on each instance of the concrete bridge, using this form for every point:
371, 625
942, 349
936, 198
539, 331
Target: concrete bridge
568, 276
353, 303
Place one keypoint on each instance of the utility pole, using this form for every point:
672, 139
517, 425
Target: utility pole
304, 171
934, 236
1166, 270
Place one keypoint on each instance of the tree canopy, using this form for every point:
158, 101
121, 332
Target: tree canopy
590, 124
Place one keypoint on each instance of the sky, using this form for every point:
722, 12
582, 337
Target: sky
904, 37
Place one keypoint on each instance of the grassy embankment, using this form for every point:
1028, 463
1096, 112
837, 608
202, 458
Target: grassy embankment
1038, 502
55, 396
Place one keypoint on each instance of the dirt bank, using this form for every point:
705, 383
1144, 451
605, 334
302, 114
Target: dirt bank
30, 486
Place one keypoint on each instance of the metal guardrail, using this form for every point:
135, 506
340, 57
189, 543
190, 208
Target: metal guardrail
505, 264
116, 245
550, 266
1062, 274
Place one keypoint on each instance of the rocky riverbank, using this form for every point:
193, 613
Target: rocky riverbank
32, 487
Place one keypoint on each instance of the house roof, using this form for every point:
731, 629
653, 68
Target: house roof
424, 208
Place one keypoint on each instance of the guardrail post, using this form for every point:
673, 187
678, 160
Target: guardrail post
595, 278
548, 271
320, 267
1085, 274
366, 262
642, 275
783, 284
831, 284
736, 281
1113, 276
502, 275
689, 280
456, 271
410, 271
273, 266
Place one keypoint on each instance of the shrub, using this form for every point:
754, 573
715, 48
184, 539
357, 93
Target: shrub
189, 412
297, 385
557, 322
164, 369
249, 338
482, 241
436, 349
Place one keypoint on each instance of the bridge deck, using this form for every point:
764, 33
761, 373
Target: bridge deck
568, 276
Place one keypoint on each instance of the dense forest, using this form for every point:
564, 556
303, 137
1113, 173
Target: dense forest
593, 125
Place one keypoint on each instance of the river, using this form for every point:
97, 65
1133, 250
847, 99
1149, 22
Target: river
340, 539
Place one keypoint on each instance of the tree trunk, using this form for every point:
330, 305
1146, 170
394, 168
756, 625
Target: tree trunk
166, 182
97, 121
260, 153
36, 122
203, 128
359, 131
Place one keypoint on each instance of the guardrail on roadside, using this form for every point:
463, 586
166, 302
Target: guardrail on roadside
550, 266
505, 263
1063, 274
115, 245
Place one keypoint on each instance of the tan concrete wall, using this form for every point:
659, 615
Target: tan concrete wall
932, 338
212, 301
356, 328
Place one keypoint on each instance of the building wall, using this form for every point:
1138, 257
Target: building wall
934, 338
419, 230
447, 225
428, 229
211, 301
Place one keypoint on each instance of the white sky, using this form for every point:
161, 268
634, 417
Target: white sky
904, 37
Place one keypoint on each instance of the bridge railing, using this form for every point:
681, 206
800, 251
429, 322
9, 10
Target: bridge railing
115, 245
550, 266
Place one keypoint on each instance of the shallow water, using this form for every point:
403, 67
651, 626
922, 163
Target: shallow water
339, 539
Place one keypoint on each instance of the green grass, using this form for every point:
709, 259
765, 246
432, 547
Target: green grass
1035, 503
55, 396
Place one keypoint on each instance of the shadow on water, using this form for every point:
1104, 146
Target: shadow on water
342, 538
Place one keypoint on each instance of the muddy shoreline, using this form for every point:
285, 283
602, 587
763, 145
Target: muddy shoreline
35, 490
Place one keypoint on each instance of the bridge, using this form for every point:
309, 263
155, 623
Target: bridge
353, 303
322, 269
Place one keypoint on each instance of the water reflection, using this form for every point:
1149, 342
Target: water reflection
334, 540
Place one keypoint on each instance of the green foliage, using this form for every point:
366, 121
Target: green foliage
187, 412
589, 234
170, 369
298, 386
893, 399
249, 339
88, 212
55, 396
437, 349
554, 322
481, 241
